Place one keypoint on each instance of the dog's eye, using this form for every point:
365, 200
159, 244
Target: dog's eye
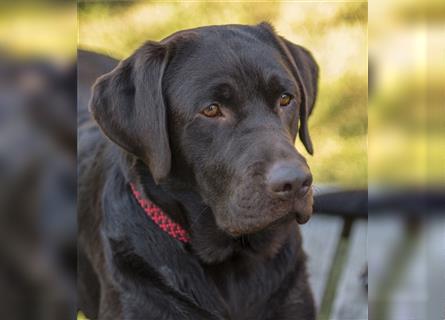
212, 111
285, 99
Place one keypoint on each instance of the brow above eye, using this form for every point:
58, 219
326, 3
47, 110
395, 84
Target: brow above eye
223, 92
279, 85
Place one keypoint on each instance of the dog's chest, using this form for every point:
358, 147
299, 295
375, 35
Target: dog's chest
247, 291
234, 290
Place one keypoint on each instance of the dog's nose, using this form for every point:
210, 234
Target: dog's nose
285, 179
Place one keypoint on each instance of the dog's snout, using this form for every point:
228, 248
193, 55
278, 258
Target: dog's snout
286, 179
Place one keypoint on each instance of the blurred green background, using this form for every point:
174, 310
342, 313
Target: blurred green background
335, 32
406, 103
38, 29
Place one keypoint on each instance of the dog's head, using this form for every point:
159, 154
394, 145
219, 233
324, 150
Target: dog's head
219, 108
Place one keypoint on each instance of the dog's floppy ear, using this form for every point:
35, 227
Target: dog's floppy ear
307, 73
305, 70
128, 105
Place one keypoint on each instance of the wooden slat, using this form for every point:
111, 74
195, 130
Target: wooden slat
351, 301
414, 264
320, 239
408, 301
385, 234
420, 294
436, 268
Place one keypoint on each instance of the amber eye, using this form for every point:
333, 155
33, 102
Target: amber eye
285, 99
212, 111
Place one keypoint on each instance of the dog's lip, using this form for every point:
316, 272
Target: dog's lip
302, 218
303, 208
300, 211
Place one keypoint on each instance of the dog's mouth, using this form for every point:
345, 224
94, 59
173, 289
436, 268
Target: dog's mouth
244, 220
303, 208
238, 231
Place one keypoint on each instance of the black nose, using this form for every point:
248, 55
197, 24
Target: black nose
287, 178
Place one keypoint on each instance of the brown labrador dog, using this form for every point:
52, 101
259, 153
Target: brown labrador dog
190, 187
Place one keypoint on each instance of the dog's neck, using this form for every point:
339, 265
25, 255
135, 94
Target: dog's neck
208, 242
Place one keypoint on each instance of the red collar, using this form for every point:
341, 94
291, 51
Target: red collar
160, 218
